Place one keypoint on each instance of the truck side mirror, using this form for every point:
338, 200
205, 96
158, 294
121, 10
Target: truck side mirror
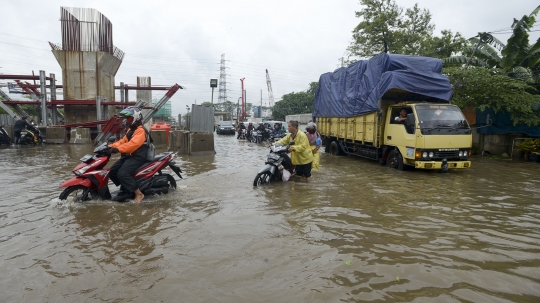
410, 120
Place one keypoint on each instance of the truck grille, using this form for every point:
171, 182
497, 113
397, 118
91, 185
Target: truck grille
447, 154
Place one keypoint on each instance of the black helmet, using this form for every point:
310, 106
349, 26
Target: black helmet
24, 117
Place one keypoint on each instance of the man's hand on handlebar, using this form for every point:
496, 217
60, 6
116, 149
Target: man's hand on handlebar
114, 150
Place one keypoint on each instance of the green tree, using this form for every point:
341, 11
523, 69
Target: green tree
444, 46
295, 103
493, 88
389, 28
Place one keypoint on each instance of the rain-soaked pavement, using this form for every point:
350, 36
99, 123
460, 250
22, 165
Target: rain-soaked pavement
358, 232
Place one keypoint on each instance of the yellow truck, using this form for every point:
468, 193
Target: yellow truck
409, 123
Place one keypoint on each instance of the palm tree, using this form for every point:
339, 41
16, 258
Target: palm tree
517, 58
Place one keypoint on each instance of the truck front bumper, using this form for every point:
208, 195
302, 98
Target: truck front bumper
438, 164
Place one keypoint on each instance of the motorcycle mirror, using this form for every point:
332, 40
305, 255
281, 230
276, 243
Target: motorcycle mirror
111, 139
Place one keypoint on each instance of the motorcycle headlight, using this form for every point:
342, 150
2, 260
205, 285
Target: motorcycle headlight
431, 154
424, 155
82, 170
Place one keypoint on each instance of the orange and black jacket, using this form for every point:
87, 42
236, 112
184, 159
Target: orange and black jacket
132, 144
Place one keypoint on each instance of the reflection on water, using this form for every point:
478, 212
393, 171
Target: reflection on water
358, 232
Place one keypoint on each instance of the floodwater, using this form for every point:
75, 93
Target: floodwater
358, 232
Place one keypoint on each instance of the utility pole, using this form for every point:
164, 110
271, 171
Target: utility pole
270, 93
243, 99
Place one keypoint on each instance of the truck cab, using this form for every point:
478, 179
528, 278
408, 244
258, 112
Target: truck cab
433, 136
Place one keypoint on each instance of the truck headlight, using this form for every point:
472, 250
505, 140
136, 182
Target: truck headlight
465, 153
431, 154
424, 155
461, 153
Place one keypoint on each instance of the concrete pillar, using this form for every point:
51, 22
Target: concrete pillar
86, 75
43, 97
122, 97
98, 111
54, 118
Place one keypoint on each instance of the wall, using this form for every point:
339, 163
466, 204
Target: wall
202, 119
496, 144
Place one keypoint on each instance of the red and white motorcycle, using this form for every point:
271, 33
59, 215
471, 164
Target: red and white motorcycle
92, 178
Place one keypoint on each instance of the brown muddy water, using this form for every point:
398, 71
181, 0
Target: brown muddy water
358, 232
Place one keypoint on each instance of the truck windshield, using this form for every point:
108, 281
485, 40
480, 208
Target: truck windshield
441, 117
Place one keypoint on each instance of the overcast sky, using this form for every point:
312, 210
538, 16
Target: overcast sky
182, 41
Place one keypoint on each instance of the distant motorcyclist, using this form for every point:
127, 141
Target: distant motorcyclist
133, 151
277, 130
241, 127
250, 129
18, 127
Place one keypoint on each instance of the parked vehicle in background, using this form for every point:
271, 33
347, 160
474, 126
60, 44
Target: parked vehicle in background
270, 125
225, 127
31, 135
429, 134
4, 137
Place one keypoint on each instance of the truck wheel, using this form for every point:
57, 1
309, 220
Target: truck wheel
335, 149
395, 160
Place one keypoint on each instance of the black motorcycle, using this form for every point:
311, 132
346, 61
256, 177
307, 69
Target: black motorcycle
4, 137
276, 137
241, 134
31, 135
276, 162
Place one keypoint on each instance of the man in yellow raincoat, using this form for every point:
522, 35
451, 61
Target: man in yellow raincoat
301, 153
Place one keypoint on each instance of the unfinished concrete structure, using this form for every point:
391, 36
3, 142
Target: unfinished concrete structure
89, 62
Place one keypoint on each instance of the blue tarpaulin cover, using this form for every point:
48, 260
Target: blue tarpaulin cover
501, 124
356, 89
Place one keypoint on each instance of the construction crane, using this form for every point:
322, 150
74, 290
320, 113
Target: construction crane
270, 93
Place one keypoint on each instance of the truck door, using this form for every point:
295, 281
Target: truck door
397, 133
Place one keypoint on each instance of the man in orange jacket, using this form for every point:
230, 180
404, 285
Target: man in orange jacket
133, 151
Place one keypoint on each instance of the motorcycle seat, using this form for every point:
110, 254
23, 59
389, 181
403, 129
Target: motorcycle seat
158, 157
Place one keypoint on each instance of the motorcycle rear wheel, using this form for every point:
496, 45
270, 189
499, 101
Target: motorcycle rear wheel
77, 193
262, 178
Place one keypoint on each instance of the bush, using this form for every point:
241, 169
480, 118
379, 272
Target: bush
529, 146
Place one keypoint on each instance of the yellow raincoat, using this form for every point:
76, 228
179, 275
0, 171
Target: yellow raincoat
302, 153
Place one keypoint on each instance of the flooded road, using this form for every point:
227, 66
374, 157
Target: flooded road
358, 232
